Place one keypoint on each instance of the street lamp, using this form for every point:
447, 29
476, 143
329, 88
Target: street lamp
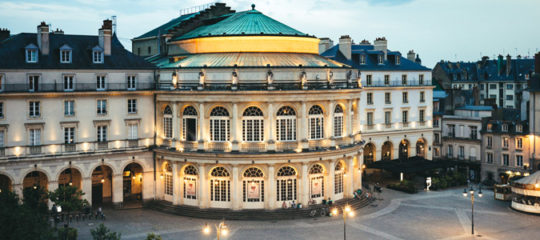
471, 192
221, 229
346, 212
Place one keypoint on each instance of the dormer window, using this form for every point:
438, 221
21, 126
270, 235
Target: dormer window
97, 55
380, 59
519, 128
65, 54
362, 59
31, 53
398, 60
505, 128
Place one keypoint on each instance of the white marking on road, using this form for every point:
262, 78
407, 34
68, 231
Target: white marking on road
375, 232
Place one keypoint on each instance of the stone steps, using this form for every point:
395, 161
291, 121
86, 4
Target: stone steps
247, 214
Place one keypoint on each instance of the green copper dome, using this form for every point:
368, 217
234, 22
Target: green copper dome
250, 22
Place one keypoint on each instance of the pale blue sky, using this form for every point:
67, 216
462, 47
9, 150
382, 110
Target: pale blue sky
436, 29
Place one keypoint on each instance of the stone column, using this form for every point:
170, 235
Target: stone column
303, 128
349, 179
149, 189
117, 186
203, 195
235, 136
180, 186
18, 189
269, 137
86, 188
202, 128
329, 123
358, 116
270, 190
358, 172
330, 189
175, 124
175, 183
236, 194
304, 185
349, 126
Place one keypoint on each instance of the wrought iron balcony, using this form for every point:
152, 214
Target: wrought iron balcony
78, 87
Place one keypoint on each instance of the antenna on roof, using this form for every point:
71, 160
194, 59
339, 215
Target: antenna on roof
114, 24
198, 8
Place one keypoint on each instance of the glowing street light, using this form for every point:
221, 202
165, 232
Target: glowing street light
221, 230
471, 192
346, 211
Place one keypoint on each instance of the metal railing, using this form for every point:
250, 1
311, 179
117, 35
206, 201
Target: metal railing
285, 85
396, 83
133, 143
287, 146
102, 145
35, 150
77, 87
253, 147
70, 147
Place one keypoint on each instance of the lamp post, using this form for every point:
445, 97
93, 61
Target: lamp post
221, 229
346, 212
471, 192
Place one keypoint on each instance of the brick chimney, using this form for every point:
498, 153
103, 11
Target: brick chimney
345, 46
381, 44
43, 38
325, 44
411, 55
105, 35
4, 34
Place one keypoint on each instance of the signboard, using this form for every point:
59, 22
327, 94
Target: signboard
191, 188
316, 186
254, 190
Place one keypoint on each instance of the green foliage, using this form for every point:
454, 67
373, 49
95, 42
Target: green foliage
450, 179
404, 186
153, 236
67, 233
103, 233
69, 198
27, 220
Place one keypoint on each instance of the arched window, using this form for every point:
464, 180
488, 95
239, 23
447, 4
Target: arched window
168, 180
286, 124
252, 125
220, 185
253, 185
316, 178
189, 124
286, 184
338, 121
339, 171
219, 125
167, 122
190, 182
387, 149
404, 149
316, 123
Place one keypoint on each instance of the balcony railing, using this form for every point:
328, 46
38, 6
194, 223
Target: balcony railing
78, 87
102, 145
226, 84
219, 146
132, 143
2, 152
70, 147
35, 150
190, 145
398, 83
286, 146
253, 147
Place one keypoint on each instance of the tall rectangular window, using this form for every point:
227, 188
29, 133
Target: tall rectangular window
387, 118
422, 97
34, 109
405, 97
102, 133
286, 128
68, 83
505, 142
316, 126
450, 151
504, 128
69, 108
133, 131
387, 98
386, 79
131, 82
489, 142
506, 160
369, 80
338, 124
69, 135
65, 56
34, 137
405, 116
489, 158
461, 153
1, 110
31, 55
369, 118
132, 106
404, 79
2, 138
421, 116
474, 132
101, 106
421, 79
97, 56
369, 98
519, 143
100, 83
519, 160
362, 59
33, 83
167, 126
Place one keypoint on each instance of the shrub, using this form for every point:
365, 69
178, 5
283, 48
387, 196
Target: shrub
153, 236
67, 233
103, 233
404, 186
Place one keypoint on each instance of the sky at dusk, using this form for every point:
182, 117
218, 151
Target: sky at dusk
436, 29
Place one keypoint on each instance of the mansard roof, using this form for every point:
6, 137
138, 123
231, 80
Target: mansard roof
372, 55
488, 70
12, 55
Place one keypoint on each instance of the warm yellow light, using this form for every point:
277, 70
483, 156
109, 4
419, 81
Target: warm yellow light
351, 214
17, 151
117, 143
147, 142
537, 185
85, 146
347, 208
224, 231
298, 150
53, 149
334, 211
526, 174
206, 229
161, 176
102, 180
518, 174
133, 177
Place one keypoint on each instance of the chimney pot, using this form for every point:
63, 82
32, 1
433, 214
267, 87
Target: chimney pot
325, 44
411, 55
345, 46
105, 35
4, 34
43, 38
381, 44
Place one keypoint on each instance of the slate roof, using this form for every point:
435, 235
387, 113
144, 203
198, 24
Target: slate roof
163, 29
475, 108
488, 70
250, 60
251, 22
12, 53
372, 59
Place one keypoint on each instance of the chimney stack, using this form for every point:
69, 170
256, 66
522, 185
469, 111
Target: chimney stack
381, 44
537, 63
325, 44
411, 55
105, 35
58, 31
499, 64
4, 34
508, 64
43, 38
345, 46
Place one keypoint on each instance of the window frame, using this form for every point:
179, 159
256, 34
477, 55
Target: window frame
101, 82
131, 82
69, 108
101, 107
97, 56
132, 106
65, 55
102, 133
34, 109
68, 82
69, 135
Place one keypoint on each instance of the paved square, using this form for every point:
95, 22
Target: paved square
426, 215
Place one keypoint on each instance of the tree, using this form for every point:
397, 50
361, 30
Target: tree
103, 233
27, 220
68, 197
153, 236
